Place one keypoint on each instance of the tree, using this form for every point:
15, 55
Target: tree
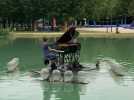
26, 11
131, 8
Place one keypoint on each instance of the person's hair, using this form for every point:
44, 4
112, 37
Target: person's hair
45, 39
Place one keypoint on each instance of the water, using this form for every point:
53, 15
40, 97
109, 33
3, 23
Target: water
103, 85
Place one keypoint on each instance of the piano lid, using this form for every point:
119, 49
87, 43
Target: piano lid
68, 35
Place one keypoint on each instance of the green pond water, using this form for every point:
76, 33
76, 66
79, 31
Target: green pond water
20, 85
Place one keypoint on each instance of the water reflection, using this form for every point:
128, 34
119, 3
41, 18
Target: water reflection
3, 41
68, 91
62, 91
126, 80
4, 75
119, 49
102, 84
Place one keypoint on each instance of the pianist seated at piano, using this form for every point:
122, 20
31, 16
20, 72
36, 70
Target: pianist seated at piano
49, 53
67, 40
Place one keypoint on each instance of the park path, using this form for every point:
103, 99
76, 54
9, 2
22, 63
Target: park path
84, 32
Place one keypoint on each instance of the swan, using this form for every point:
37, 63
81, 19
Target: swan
68, 76
115, 67
44, 73
82, 77
55, 76
12, 64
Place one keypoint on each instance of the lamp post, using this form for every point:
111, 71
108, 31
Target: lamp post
111, 22
0, 22
107, 24
85, 21
117, 27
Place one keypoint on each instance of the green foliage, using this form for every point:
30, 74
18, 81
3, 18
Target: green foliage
64, 10
131, 8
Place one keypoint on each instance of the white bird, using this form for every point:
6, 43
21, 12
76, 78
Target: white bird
83, 77
115, 67
55, 76
44, 73
68, 76
12, 64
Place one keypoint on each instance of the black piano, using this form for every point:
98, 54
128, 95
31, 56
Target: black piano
71, 49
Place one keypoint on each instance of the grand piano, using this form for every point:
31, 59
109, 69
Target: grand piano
67, 43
